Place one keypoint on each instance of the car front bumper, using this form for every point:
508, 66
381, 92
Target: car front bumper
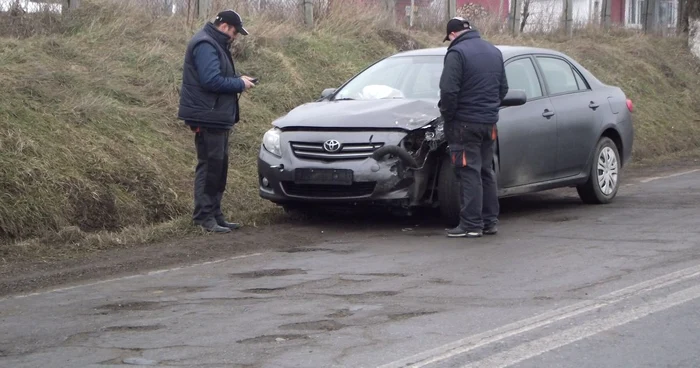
384, 180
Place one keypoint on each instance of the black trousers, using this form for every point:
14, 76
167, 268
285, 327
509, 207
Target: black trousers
472, 149
210, 175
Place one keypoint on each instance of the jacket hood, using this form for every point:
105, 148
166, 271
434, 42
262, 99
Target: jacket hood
377, 114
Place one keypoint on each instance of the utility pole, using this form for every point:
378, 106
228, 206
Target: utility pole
605, 14
514, 21
569, 17
451, 9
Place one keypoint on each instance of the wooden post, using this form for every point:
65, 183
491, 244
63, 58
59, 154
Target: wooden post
308, 7
410, 16
680, 26
202, 8
451, 9
605, 13
569, 16
514, 21
69, 5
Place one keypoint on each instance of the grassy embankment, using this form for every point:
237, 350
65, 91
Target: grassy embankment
92, 156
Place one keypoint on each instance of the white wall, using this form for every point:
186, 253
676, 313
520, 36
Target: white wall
546, 15
30, 6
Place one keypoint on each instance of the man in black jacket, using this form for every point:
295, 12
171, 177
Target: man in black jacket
472, 85
209, 106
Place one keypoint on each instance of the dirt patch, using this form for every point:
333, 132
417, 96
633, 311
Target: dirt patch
268, 273
401, 41
558, 218
173, 289
263, 290
272, 339
342, 313
39, 273
363, 296
440, 281
307, 249
133, 306
409, 315
324, 325
133, 328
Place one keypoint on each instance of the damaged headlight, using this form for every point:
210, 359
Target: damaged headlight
435, 135
271, 141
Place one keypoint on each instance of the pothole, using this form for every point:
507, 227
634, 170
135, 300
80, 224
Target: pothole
405, 316
324, 325
272, 339
269, 273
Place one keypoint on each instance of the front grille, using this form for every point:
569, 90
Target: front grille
357, 189
348, 151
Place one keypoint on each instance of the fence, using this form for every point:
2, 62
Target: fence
514, 16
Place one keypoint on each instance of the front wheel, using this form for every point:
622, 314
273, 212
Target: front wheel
604, 178
448, 193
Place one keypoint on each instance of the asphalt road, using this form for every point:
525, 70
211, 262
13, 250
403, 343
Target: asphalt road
562, 285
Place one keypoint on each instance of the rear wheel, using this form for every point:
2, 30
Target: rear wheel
604, 178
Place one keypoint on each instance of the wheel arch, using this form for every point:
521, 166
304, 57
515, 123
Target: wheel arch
615, 136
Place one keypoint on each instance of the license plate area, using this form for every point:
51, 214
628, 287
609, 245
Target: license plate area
323, 176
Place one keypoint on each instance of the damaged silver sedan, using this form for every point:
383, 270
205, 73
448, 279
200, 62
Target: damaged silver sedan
379, 140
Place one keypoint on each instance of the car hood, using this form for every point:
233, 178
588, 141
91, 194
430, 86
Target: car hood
377, 114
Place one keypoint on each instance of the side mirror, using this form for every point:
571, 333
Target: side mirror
514, 97
327, 92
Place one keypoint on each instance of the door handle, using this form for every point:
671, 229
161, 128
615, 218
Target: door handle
548, 114
593, 105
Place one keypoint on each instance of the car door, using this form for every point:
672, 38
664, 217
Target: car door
575, 106
528, 133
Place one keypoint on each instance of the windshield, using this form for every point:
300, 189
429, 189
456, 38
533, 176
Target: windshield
409, 77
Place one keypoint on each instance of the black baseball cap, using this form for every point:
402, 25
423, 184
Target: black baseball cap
456, 24
232, 18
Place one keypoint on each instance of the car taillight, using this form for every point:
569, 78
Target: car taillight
630, 105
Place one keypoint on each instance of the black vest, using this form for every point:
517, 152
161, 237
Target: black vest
199, 107
482, 62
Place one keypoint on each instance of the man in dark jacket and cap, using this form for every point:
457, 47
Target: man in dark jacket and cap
472, 86
209, 106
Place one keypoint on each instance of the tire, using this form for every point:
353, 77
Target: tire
448, 193
591, 192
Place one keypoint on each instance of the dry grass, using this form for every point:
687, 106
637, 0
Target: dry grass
92, 155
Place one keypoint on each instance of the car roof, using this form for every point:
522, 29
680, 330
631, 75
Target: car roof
507, 51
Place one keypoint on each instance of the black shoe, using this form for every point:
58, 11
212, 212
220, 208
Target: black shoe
458, 232
229, 225
214, 228
492, 230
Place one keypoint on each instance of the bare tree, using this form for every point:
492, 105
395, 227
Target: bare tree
692, 25
526, 14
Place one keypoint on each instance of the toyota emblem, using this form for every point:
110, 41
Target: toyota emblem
331, 145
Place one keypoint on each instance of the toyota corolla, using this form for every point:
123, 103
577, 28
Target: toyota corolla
378, 138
